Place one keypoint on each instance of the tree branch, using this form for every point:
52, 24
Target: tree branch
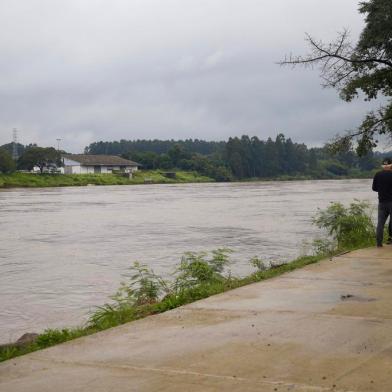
322, 53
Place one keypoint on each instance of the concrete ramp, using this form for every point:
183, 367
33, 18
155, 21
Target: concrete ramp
326, 327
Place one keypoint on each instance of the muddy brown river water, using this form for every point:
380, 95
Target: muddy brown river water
63, 250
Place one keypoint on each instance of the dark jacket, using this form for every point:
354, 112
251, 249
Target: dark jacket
382, 183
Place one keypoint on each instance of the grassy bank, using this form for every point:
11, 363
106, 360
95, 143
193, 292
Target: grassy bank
55, 180
28, 180
109, 315
200, 275
354, 175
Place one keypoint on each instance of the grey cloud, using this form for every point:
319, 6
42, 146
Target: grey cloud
91, 70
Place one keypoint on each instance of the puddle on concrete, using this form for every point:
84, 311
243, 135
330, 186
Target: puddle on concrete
356, 298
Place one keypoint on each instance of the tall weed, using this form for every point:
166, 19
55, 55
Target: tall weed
349, 227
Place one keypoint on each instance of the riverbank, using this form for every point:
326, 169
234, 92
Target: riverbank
202, 274
29, 180
41, 237
324, 327
111, 315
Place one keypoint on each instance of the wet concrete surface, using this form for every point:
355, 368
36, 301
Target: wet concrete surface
326, 327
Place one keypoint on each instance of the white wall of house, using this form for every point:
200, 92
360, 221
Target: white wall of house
86, 170
73, 167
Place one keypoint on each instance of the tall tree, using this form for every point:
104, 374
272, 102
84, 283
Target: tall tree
39, 156
365, 67
10, 147
7, 164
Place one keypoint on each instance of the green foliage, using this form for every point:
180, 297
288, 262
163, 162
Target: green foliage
335, 168
350, 227
9, 352
198, 276
254, 158
41, 157
197, 268
245, 158
9, 147
53, 336
158, 147
7, 164
53, 180
142, 287
109, 315
128, 309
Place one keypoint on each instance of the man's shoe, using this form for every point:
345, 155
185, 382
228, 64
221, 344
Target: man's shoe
379, 245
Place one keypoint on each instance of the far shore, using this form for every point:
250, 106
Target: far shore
30, 180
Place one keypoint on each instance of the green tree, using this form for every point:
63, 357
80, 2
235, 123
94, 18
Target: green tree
147, 159
10, 148
177, 153
271, 159
362, 68
7, 164
42, 157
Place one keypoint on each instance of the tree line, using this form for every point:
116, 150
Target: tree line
242, 157
238, 158
157, 146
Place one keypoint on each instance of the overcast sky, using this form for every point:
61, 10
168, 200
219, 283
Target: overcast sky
90, 70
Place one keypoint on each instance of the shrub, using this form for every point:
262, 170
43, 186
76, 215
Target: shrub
350, 227
196, 268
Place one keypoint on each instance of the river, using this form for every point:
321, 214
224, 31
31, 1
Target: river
63, 250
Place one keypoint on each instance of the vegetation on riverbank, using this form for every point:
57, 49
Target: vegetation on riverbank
244, 158
55, 180
143, 301
30, 180
200, 275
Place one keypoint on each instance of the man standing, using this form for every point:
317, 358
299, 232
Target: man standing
382, 183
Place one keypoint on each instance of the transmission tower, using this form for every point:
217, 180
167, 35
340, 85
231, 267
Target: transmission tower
15, 154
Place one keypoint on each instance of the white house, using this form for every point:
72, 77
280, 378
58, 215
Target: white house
86, 164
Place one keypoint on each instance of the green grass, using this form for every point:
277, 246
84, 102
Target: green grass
56, 180
117, 316
140, 177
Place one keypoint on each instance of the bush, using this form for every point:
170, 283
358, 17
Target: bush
196, 268
350, 227
143, 287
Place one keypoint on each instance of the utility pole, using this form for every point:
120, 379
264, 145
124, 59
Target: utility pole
15, 154
58, 144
